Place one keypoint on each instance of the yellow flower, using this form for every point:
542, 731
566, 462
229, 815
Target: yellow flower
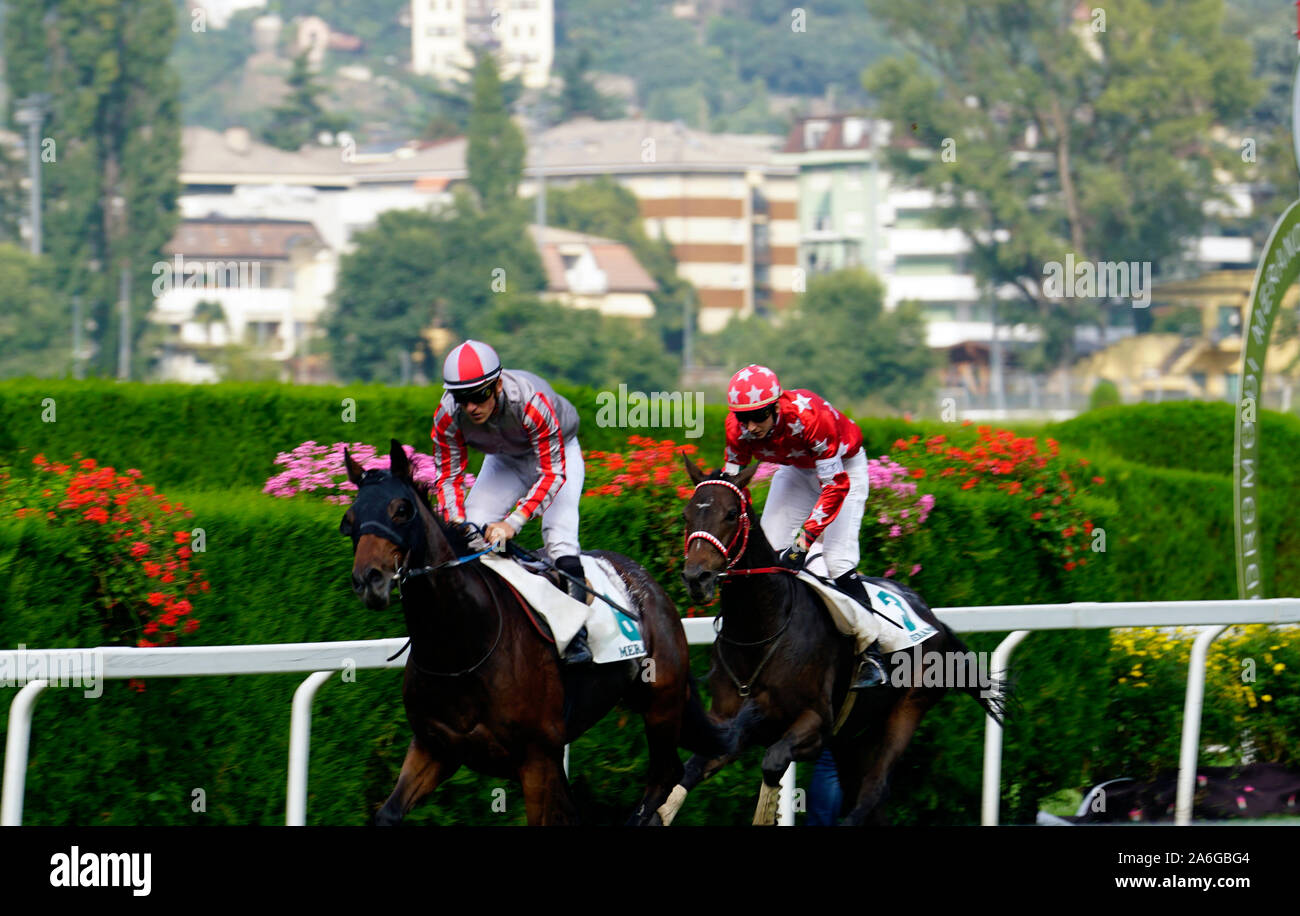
1266, 698
1279, 667
1123, 680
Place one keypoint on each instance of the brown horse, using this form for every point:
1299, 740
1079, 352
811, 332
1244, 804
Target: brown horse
483, 686
782, 671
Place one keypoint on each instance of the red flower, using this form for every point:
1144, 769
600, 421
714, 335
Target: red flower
97, 515
139, 549
190, 626
918, 473
156, 598
151, 569
168, 577
1068, 532
1070, 565
1099, 480
1036, 516
40, 461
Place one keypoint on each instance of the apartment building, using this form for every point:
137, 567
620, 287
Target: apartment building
520, 32
729, 212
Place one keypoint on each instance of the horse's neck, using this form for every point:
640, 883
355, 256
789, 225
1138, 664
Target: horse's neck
448, 614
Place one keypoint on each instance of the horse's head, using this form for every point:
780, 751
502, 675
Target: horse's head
388, 530
717, 527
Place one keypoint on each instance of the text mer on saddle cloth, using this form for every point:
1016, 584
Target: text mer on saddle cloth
533, 464
820, 491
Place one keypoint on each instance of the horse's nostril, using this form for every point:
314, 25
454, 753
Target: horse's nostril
374, 577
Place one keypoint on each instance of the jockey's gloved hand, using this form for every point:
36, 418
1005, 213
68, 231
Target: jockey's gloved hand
794, 556
473, 536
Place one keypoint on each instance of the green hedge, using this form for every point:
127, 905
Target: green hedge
279, 574
1190, 435
200, 437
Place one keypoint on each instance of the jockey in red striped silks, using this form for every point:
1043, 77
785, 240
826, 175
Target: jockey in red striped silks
533, 466
818, 493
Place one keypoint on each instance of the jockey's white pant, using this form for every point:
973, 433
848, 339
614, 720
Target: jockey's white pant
504, 480
792, 496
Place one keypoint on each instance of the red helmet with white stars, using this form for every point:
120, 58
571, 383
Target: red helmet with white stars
753, 387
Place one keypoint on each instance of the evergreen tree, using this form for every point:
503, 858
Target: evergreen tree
297, 120
35, 331
109, 201
495, 154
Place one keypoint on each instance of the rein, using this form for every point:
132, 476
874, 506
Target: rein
742, 535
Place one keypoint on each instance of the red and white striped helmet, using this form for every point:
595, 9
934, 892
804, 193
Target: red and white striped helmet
753, 387
470, 365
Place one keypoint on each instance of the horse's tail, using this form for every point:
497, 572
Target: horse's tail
701, 734
995, 694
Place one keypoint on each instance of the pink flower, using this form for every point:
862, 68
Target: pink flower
916, 569
895, 531
889, 572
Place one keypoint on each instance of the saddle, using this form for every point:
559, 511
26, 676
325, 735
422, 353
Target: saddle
552, 575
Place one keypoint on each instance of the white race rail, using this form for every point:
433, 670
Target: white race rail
322, 660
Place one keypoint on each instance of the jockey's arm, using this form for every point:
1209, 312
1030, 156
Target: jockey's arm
548, 445
449, 453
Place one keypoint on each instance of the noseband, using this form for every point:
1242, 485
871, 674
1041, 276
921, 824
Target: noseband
742, 532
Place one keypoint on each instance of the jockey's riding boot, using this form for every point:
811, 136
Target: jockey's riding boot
871, 666
578, 652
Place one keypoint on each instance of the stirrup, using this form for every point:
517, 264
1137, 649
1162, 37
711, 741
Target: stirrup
871, 671
578, 653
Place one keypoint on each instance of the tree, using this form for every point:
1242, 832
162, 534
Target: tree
35, 331
1123, 163
838, 340
385, 295
110, 194
495, 154
575, 346
605, 208
579, 97
299, 117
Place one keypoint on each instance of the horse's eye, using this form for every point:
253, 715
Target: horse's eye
400, 510
731, 515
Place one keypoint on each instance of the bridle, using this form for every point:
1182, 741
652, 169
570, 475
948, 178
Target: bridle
742, 531
416, 546
742, 534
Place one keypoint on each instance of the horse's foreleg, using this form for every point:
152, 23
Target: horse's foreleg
421, 774
547, 802
802, 741
700, 767
900, 725
662, 729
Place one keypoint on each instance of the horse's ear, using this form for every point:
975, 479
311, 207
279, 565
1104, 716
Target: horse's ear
355, 471
398, 463
745, 476
695, 472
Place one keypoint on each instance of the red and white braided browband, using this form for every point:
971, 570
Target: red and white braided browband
742, 532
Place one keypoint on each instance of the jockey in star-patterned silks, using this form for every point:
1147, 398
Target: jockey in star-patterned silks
533, 466
819, 492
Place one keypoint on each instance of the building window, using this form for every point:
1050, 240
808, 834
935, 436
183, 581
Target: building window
912, 265
1198, 379
914, 219
1230, 385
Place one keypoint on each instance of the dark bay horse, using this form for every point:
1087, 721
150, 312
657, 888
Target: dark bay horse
483, 687
782, 670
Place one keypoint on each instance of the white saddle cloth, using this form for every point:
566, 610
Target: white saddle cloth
853, 619
611, 635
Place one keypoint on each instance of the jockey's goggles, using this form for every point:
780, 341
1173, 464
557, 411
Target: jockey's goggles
477, 396
754, 416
